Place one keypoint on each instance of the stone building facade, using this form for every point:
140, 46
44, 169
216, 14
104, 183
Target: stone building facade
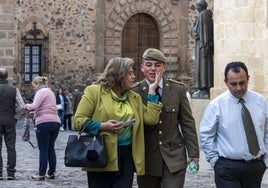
241, 34
83, 35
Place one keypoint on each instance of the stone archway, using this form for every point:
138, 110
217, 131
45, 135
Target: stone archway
140, 32
161, 13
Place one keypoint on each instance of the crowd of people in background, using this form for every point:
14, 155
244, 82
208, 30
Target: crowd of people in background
66, 105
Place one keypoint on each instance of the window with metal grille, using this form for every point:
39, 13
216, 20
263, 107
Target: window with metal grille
34, 54
32, 62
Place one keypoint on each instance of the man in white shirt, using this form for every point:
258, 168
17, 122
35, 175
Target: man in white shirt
223, 137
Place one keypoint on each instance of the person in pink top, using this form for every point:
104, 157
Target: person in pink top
47, 121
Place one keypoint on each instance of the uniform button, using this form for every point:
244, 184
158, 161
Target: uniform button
173, 110
160, 122
160, 132
160, 143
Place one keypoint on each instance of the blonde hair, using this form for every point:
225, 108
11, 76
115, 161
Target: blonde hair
40, 80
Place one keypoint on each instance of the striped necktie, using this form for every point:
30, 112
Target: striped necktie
252, 140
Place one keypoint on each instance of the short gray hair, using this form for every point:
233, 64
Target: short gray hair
3, 74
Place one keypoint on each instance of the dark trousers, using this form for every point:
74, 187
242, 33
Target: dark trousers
168, 180
47, 134
61, 115
67, 121
115, 179
238, 173
9, 133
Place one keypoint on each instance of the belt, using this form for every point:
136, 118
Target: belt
243, 160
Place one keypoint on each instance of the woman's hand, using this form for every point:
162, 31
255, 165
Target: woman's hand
112, 126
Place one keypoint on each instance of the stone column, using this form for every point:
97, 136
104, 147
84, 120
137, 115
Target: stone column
99, 37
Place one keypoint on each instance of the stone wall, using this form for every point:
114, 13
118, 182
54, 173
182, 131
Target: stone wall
241, 34
7, 27
165, 13
84, 34
173, 18
70, 26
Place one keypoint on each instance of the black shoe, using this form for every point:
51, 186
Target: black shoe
11, 178
38, 178
52, 176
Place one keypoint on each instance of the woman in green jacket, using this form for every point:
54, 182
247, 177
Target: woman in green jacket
104, 106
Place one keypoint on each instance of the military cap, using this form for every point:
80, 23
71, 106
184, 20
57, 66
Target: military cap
154, 54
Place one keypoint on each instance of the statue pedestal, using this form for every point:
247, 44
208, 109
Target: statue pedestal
198, 107
201, 94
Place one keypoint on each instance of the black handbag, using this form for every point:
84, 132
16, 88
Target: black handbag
85, 151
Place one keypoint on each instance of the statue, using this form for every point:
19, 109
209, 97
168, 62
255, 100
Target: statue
202, 32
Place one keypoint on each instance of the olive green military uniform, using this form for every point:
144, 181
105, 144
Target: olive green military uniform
168, 144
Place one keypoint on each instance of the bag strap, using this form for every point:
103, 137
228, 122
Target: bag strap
31, 144
82, 129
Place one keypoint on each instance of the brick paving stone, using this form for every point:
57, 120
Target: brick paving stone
27, 165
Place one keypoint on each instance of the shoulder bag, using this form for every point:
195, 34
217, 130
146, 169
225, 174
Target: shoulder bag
85, 150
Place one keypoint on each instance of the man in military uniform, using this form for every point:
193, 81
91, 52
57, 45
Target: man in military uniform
173, 143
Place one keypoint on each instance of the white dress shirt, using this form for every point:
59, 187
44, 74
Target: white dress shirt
222, 131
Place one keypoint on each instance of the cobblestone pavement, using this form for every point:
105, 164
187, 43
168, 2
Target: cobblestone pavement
27, 164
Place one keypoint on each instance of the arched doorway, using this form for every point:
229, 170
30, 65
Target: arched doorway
139, 33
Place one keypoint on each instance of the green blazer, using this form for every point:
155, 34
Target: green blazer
168, 141
97, 105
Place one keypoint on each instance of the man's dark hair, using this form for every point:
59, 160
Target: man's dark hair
235, 67
3, 74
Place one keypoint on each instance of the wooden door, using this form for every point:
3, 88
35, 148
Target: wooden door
139, 33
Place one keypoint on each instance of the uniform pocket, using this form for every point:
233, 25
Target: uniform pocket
172, 108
